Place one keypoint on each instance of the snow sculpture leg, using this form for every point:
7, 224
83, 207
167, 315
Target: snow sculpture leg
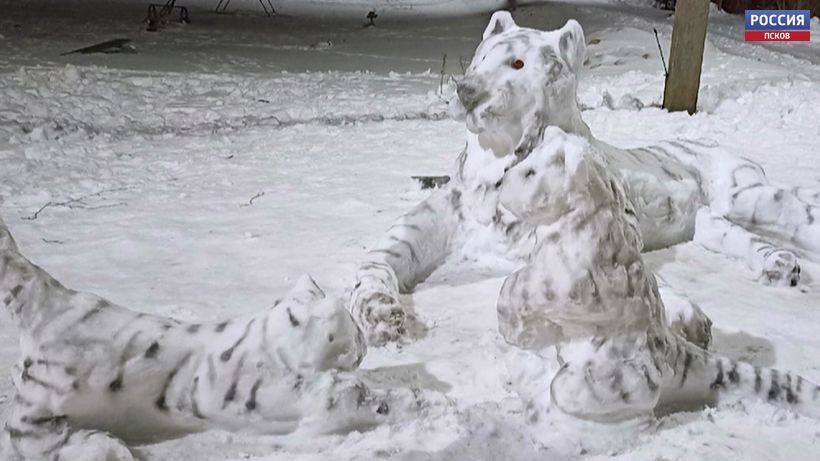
739, 191
759, 205
87, 363
742, 206
413, 247
669, 185
773, 265
374, 301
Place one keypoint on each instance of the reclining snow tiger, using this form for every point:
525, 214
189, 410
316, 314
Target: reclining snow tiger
522, 81
92, 374
587, 291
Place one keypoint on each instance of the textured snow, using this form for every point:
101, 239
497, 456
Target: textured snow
150, 161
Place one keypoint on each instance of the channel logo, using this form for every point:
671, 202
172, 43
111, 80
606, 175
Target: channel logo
778, 26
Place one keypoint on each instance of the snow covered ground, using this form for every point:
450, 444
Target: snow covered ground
202, 175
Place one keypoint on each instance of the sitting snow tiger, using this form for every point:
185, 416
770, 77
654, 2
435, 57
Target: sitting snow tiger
522, 81
92, 373
587, 291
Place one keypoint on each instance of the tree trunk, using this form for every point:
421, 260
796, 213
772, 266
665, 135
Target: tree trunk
686, 55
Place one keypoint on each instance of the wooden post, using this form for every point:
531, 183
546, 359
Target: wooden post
686, 55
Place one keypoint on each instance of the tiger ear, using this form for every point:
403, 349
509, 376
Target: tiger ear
572, 45
500, 22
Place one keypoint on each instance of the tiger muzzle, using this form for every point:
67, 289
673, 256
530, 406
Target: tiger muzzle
470, 95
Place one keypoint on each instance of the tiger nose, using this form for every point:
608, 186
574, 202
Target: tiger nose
469, 96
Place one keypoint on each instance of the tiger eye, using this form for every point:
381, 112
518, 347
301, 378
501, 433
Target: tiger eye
517, 64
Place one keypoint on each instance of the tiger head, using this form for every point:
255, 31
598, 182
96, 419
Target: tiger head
312, 331
519, 81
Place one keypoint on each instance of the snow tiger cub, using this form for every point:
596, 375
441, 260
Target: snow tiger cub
587, 290
92, 375
522, 81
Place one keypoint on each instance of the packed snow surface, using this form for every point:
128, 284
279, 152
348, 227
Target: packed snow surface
202, 175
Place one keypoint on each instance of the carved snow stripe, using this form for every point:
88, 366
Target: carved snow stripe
791, 397
294, 322
412, 227
226, 355
733, 375
718, 382
687, 362
230, 395
390, 253
194, 404
152, 350
409, 247
774, 390
28, 377
160, 402
758, 380
250, 404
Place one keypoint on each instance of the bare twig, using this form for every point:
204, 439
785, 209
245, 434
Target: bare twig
250, 202
657, 39
59, 242
440, 93
78, 202
441, 81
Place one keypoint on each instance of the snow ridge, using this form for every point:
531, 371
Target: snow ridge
47, 105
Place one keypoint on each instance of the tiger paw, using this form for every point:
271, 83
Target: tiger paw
781, 268
379, 312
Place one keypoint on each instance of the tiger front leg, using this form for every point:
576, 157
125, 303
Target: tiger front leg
374, 303
32, 432
789, 214
415, 245
771, 264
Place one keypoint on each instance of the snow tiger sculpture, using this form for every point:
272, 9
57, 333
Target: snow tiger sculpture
92, 374
588, 292
522, 81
